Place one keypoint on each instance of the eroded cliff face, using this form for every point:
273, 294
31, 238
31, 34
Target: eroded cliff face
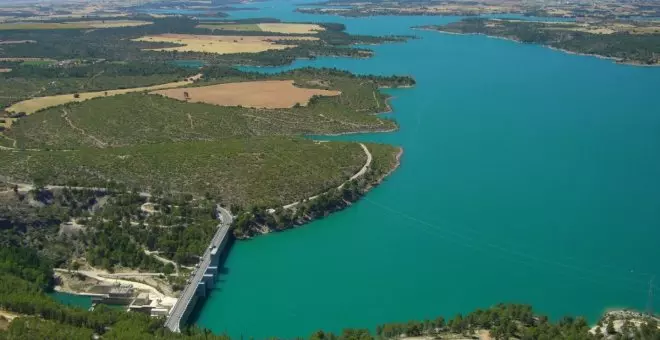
627, 324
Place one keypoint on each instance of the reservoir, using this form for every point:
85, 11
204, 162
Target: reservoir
80, 301
529, 176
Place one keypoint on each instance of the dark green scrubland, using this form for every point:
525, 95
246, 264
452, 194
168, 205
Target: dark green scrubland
641, 49
140, 118
116, 44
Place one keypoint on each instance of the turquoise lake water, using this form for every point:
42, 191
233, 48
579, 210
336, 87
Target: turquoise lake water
529, 176
72, 300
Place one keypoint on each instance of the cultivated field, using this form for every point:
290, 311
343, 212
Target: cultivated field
272, 94
35, 104
232, 27
267, 27
221, 44
142, 118
607, 27
291, 28
71, 25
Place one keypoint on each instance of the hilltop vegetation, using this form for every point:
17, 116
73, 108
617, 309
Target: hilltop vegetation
143, 142
27, 81
118, 43
257, 218
610, 40
268, 170
71, 24
572, 9
248, 159
47, 319
142, 118
107, 229
133, 181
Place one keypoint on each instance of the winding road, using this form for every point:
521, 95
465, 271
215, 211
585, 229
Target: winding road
358, 174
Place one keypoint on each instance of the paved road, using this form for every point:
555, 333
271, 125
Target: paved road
175, 316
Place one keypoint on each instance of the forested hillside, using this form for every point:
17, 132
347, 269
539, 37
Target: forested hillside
630, 42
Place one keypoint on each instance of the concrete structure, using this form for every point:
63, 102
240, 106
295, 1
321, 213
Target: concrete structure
146, 304
203, 277
115, 294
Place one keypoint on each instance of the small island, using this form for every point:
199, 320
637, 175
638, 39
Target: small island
629, 42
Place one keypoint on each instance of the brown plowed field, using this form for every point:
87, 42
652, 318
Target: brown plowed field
272, 94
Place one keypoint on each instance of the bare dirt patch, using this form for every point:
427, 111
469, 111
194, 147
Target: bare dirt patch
273, 94
113, 23
222, 44
6, 318
70, 282
291, 28
71, 25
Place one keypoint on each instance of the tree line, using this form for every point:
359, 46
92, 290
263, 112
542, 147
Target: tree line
116, 44
44, 318
47, 319
106, 69
628, 47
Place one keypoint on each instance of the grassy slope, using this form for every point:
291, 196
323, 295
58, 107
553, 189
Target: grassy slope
152, 142
13, 90
384, 159
266, 169
140, 118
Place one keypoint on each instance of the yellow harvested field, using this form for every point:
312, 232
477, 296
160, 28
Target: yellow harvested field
221, 44
291, 28
594, 30
266, 27
271, 94
611, 28
26, 59
72, 25
113, 23
35, 104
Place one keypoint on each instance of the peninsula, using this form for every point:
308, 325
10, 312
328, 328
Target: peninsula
117, 155
573, 9
630, 42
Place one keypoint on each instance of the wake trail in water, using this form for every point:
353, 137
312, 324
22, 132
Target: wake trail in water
518, 256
